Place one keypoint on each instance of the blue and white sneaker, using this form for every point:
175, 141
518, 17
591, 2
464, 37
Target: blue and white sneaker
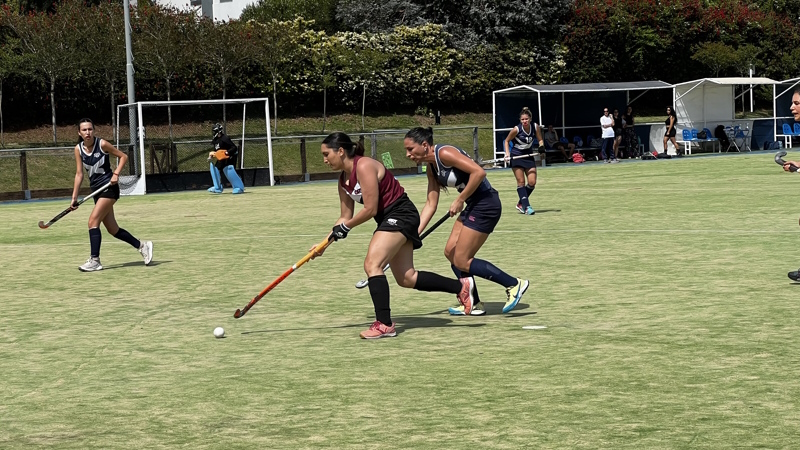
514, 294
238, 190
529, 211
214, 190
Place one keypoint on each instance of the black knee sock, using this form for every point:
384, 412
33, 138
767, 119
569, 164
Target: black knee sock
123, 235
489, 271
95, 238
523, 196
529, 189
433, 282
379, 291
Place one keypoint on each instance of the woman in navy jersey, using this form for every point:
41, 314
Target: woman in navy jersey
450, 167
523, 136
368, 182
94, 155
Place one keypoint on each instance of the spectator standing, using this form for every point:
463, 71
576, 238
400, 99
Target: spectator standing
618, 124
607, 150
669, 135
629, 134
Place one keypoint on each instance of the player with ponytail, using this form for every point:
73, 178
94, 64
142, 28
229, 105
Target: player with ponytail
478, 208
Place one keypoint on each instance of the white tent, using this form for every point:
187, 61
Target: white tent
710, 101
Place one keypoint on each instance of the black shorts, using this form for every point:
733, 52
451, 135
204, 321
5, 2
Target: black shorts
112, 192
670, 134
482, 212
525, 163
401, 216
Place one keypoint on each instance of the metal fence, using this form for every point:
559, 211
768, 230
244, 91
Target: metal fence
41, 172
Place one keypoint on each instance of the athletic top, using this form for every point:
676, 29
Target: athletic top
454, 177
97, 163
523, 141
389, 190
225, 143
628, 118
608, 132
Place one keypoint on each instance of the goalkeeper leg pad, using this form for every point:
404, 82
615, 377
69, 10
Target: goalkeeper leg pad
233, 178
215, 178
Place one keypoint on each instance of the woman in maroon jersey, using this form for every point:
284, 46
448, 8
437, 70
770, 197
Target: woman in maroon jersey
369, 183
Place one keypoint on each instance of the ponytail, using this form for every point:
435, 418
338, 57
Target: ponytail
420, 135
341, 140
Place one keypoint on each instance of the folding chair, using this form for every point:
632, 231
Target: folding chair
687, 141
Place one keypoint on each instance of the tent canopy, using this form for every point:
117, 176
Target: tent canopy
699, 103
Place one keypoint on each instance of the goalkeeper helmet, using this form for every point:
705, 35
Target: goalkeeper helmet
217, 129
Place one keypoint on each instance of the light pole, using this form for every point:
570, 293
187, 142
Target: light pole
129, 70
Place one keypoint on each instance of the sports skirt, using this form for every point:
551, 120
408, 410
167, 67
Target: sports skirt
482, 212
401, 216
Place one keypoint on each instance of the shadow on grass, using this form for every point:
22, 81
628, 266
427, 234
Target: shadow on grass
135, 263
411, 321
540, 211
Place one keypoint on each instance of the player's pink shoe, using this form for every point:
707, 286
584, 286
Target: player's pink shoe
378, 330
467, 295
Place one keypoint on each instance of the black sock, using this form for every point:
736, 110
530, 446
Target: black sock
529, 189
123, 235
523, 196
379, 291
95, 238
456, 271
433, 282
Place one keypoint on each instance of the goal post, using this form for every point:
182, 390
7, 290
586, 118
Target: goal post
175, 136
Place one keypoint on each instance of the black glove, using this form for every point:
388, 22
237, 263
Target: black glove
340, 231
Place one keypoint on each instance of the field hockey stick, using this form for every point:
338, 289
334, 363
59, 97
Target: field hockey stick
779, 159
63, 213
364, 283
321, 246
498, 160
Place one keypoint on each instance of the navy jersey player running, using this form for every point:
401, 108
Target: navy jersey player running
94, 155
449, 166
524, 169
368, 182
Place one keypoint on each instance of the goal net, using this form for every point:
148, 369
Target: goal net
175, 137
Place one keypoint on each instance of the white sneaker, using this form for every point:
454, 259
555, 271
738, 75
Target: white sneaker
91, 265
146, 251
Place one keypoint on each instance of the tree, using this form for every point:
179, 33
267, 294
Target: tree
166, 44
229, 48
328, 55
363, 61
11, 61
277, 44
379, 17
321, 12
104, 25
49, 43
717, 56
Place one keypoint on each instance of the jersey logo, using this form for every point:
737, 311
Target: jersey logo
392, 222
471, 218
96, 155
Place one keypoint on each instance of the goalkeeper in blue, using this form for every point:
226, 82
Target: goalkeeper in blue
226, 153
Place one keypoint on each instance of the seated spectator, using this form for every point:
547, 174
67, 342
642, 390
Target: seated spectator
719, 133
552, 141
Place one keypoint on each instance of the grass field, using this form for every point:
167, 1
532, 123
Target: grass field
662, 284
